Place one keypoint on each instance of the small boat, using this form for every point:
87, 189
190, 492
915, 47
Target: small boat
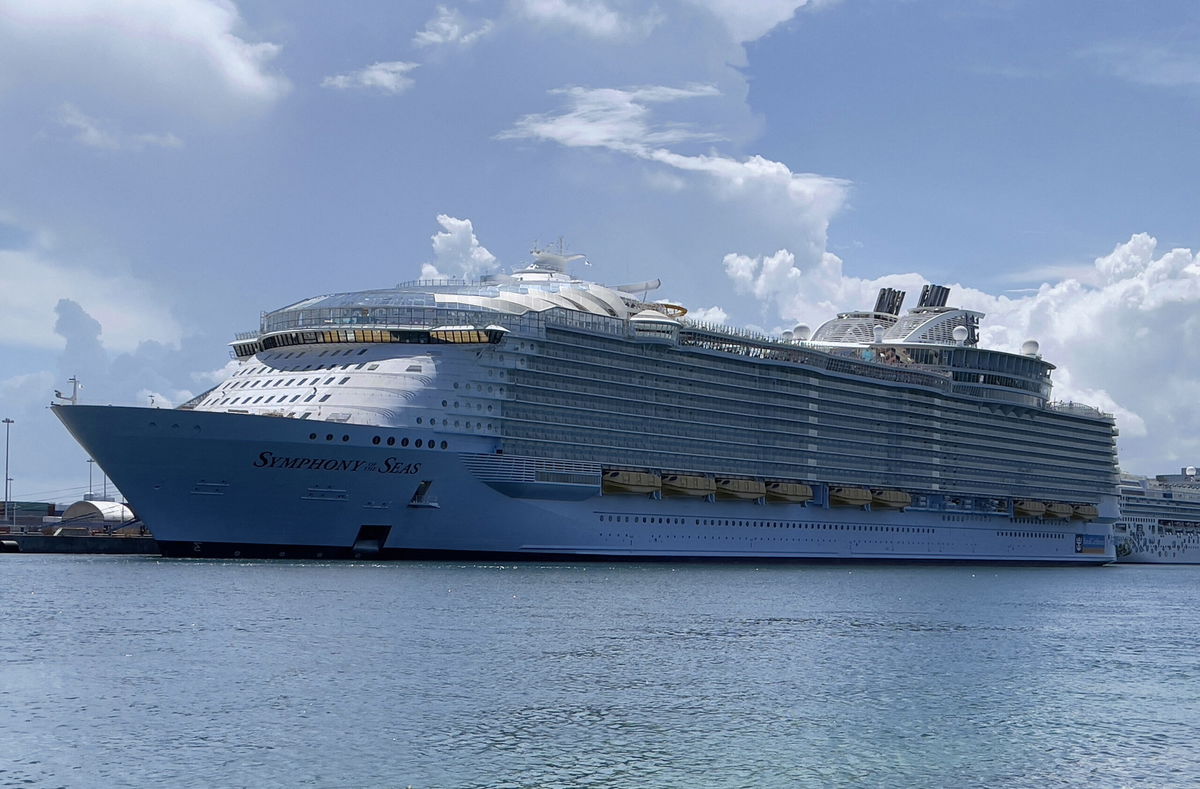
687, 485
845, 496
622, 481
740, 488
1057, 509
890, 499
1085, 512
789, 491
1029, 509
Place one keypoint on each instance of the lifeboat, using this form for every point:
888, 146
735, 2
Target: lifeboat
740, 488
687, 485
1029, 509
789, 491
890, 499
621, 481
1085, 512
844, 496
1057, 509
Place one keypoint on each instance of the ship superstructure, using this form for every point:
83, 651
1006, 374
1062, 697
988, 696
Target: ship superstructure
1160, 519
537, 414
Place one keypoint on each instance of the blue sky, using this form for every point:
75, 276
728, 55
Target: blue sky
171, 169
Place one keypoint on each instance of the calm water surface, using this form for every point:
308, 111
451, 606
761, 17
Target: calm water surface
122, 671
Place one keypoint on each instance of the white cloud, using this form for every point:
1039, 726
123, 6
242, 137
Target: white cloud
1149, 64
449, 26
1126, 338
592, 17
210, 378
98, 134
615, 118
457, 252
802, 204
708, 315
34, 283
749, 21
185, 52
390, 77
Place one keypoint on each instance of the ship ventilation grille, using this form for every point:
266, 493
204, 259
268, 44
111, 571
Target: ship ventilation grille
507, 468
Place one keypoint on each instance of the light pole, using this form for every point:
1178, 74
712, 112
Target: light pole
91, 464
8, 423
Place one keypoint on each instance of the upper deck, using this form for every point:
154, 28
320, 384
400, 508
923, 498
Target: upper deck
933, 347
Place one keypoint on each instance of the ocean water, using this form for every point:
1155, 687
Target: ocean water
133, 671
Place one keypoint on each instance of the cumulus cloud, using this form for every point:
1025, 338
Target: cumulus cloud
750, 21
1123, 337
620, 120
457, 252
97, 134
708, 315
189, 53
34, 282
449, 26
390, 77
595, 18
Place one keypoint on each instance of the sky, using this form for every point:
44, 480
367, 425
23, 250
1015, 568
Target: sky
171, 169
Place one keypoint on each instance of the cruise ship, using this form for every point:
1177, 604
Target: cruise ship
538, 415
1160, 519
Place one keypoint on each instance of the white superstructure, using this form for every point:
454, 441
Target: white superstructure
1160, 519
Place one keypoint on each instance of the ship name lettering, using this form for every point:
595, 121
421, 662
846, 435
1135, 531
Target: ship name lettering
394, 466
271, 460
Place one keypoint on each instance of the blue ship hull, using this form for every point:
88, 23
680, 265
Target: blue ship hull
211, 484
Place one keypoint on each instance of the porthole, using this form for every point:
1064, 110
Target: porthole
418, 420
375, 440
417, 443
329, 436
444, 404
311, 436
404, 442
345, 438
391, 441
444, 445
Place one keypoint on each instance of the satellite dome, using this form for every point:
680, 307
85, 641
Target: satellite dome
878, 331
1030, 347
802, 332
960, 334
1190, 471
787, 336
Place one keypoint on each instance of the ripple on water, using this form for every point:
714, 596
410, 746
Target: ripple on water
123, 672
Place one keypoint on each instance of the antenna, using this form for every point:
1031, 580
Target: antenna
75, 387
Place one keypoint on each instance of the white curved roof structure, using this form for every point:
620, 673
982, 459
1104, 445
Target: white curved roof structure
107, 511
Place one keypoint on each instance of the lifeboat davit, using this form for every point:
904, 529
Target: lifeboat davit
890, 499
740, 488
1057, 509
621, 481
845, 496
1085, 512
1029, 509
789, 491
687, 485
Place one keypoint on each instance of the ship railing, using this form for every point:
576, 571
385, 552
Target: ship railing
1078, 409
246, 335
841, 360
